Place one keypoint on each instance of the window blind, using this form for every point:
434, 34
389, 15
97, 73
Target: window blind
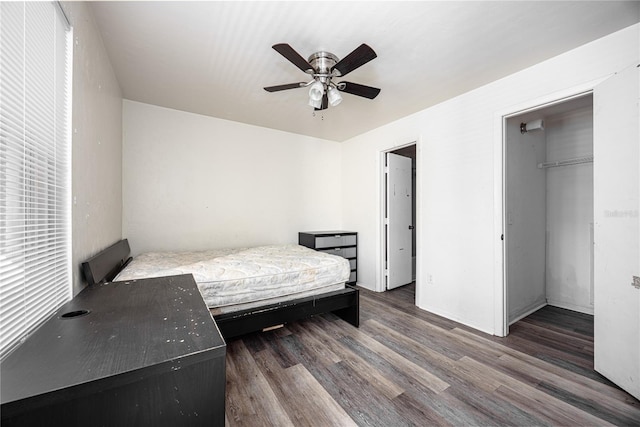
35, 166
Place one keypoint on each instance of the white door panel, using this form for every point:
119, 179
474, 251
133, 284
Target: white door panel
399, 225
617, 230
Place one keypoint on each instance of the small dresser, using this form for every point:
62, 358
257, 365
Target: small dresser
341, 243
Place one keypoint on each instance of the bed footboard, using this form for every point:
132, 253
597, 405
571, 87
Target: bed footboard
345, 303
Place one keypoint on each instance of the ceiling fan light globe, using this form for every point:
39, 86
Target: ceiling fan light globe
334, 97
315, 103
316, 91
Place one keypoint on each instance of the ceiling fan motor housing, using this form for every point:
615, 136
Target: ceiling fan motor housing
322, 62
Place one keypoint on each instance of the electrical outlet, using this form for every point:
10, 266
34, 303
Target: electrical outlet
636, 282
430, 279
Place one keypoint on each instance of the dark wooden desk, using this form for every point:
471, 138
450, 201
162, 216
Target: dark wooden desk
147, 353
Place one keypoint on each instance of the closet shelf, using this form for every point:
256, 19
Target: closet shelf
576, 161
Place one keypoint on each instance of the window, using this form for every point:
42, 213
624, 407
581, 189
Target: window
35, 166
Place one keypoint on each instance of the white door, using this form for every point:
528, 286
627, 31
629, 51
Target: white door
617, 229
399, 225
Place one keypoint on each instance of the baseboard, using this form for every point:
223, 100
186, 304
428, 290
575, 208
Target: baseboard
529, 311
572, 307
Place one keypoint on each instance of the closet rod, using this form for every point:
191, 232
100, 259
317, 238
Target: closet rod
576, 161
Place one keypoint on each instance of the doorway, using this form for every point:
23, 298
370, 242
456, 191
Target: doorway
399, 217
549, 193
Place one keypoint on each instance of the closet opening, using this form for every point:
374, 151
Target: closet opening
549, 243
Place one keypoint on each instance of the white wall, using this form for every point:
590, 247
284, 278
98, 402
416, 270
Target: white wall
570, 211
196, 182
97, 143
458, 180
526, 188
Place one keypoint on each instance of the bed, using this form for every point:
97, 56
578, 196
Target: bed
246, 289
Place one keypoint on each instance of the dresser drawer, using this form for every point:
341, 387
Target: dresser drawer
343, 252
335, 241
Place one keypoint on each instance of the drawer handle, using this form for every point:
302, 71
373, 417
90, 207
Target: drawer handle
338, 249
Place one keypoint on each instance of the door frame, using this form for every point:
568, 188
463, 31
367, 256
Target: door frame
382, 238
501, 318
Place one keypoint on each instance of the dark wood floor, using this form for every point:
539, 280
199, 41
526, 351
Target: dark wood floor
405, 366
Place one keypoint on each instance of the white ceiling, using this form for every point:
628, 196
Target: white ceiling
214, 58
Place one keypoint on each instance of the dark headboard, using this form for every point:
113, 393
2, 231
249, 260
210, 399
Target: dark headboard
104, 266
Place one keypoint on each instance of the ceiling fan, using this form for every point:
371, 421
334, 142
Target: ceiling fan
323, 67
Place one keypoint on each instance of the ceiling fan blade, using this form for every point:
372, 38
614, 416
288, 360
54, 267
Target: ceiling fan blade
360, 56
284, 87
358, 89
293, 56
325, 103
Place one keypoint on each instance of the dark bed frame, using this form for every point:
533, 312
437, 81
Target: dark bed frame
345, 303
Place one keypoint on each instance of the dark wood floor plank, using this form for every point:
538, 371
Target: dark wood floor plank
605, 405
391, 302
599, 408
250, 401
274, 342
575, 416
306, 401
385, 386
407, 367
549, 415
396, 362
536, 363
359, 398
440, 365
563, 320
549, 342
413, 409
567, 365
471, 387
308, 348
555, 337
451, 408
429, 335
497, 411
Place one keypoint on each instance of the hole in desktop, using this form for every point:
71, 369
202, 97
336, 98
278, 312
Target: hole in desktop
74, 314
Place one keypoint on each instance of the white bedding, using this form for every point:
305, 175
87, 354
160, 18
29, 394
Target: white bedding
243, 277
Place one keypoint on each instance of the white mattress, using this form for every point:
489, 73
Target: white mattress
242, 277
